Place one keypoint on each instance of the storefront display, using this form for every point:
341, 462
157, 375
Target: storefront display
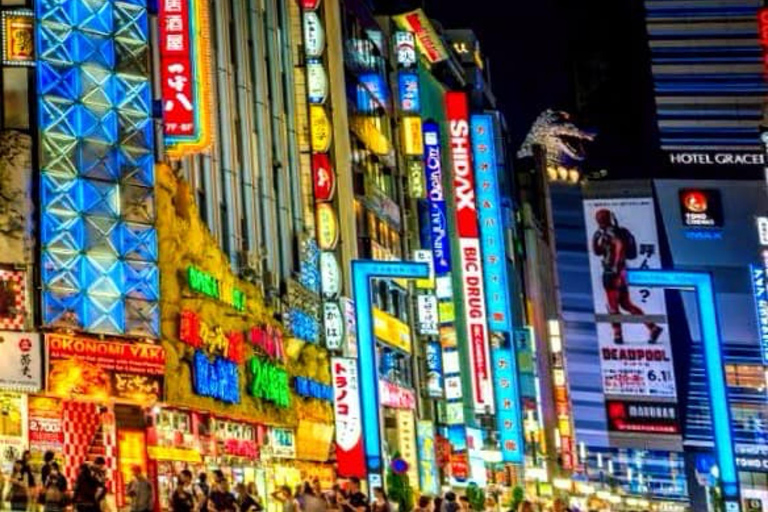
13, 428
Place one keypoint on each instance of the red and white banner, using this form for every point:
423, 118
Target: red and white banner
176, 68
350, 455
475, 311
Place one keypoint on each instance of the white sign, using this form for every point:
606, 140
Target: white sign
20, 354
346, 404
444, 288
283, 442
717, 158
427, 313
317, 82
314, 35
350, 326
405, 48
330, 275
333, 323
476, 323
635, 356
762, 230
453, 388
451, 361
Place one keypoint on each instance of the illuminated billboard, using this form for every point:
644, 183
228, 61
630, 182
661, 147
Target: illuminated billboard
185, 75
633, 335
475, 315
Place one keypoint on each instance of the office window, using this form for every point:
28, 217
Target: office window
745, 376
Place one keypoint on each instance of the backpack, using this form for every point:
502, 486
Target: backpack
628, 241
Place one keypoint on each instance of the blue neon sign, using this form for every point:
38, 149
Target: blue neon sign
218, 378
408, 91
758, 275
362, 273
312, 389
701, 284
491, 223
438, 213
507, 395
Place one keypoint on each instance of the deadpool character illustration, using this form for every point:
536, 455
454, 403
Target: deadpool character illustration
615, 245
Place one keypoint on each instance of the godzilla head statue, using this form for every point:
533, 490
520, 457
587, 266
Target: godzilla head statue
563, 140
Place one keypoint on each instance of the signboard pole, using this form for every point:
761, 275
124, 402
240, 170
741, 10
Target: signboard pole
362, 273
701, 284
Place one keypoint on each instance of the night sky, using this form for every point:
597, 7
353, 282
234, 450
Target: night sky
588, 57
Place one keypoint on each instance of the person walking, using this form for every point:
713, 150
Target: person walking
253, 492
285, 496
220, 498
140, 491
18, 487
88, 491
380, 501
312, 502
202, 490
449, 504
356, 501
54, 489
424, 504
183, 498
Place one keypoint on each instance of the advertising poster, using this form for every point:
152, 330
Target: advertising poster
633, 335
45, 425
101, 370
13, 428
15, 193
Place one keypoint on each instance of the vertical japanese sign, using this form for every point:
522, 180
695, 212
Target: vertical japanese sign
475, 316
406, 443
508, 414
489, 216
350, 455
185, 75
22, 361
759, 274
429, 479
438, 215
633, 336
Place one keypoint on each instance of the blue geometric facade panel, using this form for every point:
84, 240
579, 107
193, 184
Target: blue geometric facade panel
99, 244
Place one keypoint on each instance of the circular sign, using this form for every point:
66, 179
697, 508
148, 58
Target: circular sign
323, 177
330, 275
314, 35
320, 127
327, 228
399, 466
317, 82
333, 323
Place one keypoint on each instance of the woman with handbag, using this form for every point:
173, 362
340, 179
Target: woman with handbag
18, 488
55, 490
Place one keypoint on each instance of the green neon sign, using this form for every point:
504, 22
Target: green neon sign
204, 283
269, 382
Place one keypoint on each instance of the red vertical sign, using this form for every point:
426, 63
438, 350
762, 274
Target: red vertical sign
475, 310
176, 65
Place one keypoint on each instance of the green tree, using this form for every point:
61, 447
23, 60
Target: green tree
399, 489
476, 497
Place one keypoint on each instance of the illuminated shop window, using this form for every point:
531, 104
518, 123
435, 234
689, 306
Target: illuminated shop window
99, 244
745, 376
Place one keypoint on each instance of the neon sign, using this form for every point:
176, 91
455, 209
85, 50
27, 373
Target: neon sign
185, 75
218, 378
196, 333
269, 382
475, 317
205, 284
312, 389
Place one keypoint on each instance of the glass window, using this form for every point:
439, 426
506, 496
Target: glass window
745, 376
15, 98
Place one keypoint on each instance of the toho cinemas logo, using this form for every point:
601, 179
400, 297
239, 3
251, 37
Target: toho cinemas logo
725, 158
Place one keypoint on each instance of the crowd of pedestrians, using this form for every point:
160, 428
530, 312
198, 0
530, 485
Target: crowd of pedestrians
87, 494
